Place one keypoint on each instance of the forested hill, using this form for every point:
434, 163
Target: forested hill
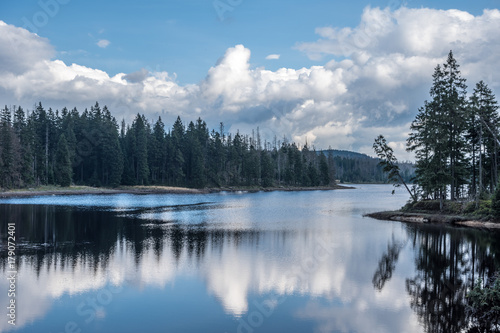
346, 154
353, 167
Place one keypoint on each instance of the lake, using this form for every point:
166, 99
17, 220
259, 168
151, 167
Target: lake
236, 262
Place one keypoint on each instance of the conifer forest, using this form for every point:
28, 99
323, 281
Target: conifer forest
44, 147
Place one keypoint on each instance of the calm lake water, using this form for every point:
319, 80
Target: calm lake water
236, 262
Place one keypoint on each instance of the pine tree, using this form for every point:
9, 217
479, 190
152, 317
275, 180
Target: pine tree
129, 146
438, 134
484, 133
112, 155
177, 165
157, 152
267, 169
195, 169
9, 153
323, 169
139, 126
454, 103
22, 129
389, 163
63, 170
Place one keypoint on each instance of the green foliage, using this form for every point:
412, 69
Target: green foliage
484, 209
495, 203
427, 205
481, 210
484, 305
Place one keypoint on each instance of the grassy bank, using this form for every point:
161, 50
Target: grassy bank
454, 213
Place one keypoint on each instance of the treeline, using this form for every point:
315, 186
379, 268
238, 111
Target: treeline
50, 147
358, 168
455, 138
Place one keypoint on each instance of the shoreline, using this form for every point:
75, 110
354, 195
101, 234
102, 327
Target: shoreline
435, 219
87, 190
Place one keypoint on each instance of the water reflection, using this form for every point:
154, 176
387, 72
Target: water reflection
316, 272
448, 263
387, 264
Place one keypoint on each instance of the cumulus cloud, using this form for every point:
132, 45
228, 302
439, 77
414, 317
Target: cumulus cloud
136, 77
273, 57
374, 78
103, 43
21, 49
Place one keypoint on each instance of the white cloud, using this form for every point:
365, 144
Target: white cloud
273, 57
103, 43
21, 49
375, 77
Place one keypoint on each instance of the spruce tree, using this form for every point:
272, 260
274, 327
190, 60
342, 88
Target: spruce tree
323, 169
63, 170
157, 152
9, 152
485, 127
22, 129
438, 134
141, 130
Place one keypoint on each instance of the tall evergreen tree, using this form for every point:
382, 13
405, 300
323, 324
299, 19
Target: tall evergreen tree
323, 169
454, 102
139, 126
23, 131
484, 137
177, 161
438, 134
63, 170
9, 152
157, 152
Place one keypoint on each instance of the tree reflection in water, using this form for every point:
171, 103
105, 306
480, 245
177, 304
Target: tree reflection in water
447, 261
387, 264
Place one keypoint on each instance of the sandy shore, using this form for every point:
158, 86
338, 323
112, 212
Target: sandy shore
450, 220
81, 190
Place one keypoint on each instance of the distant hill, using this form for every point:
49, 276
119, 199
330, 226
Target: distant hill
345, 153
353, 167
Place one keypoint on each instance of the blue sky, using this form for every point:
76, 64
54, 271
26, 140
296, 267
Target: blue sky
333, 72
187, 37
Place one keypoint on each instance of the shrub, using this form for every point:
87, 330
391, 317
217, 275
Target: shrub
427, 205
484, 208
495, 203
483, 306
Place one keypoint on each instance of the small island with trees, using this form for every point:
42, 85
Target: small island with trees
455, 139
